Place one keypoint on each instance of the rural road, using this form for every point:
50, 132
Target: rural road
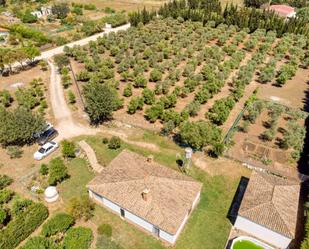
65, 124
58, 50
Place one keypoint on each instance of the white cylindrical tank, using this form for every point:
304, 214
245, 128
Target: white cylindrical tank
51, 194
188, 152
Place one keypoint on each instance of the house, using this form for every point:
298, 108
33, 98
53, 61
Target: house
283, 10
147, 194
269, 209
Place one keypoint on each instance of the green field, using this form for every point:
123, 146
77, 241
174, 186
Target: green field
207, 227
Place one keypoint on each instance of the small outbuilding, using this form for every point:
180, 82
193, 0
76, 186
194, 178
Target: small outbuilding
51, 194
283, 10
269, 209
154, 197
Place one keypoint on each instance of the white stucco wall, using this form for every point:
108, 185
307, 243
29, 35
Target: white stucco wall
262, 233
171, 238
139, 221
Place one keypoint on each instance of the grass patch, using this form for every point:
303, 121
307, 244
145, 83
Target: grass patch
80, 175
207, 227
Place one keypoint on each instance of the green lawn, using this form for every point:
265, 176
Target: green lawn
80, 175
207, 228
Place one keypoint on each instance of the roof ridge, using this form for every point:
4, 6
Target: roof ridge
277, 208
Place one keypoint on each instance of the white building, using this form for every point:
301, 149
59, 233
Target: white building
269, 209
143, 192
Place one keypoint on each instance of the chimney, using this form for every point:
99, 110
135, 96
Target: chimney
145, 194
150, 159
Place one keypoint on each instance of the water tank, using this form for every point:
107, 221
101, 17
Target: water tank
188, 152
51, 194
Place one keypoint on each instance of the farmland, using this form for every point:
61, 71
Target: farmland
170, 73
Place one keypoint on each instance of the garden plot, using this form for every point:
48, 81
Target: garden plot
270, 136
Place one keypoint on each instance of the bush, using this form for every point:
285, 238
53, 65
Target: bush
57, 171
5, 181
155, 75
114, 143
105, 229
5, 196
78, 238
39, 243
3, 216
81, 208
60, 223
44, 169
127, 92
149, 96
68, 149
136, 103
140, 81
14, 152
28, 17
23, 225
105, 140
71, 97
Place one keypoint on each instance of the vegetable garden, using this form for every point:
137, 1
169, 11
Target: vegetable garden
174, 73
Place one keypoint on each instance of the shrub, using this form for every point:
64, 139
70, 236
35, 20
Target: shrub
5, 98
68, 149
20, 205
71, 97
60, 223
114, 143
6, 195
23, 225
39, 243
78, 238
127, 92
14, 152
105, 229
81, 208
136, 103
44, 169
140, 81
57, 171
155, 75
61, 61
3, 216
168, 128
28, 17
105, 140
149, 96
5, 181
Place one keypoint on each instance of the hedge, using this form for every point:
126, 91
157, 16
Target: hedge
59, 223
23, 225
39, 243
78, 238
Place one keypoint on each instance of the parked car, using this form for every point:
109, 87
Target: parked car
47, 135
47, 127
45, 150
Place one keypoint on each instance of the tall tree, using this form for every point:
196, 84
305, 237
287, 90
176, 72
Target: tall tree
101, 101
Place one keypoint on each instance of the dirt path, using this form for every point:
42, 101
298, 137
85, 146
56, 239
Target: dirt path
92, 158
65, 124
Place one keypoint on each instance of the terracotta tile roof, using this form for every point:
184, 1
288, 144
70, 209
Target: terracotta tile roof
3, 30
282, 9
170, 197
271, 202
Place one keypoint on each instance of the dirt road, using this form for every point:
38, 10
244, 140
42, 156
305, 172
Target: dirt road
65, 124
